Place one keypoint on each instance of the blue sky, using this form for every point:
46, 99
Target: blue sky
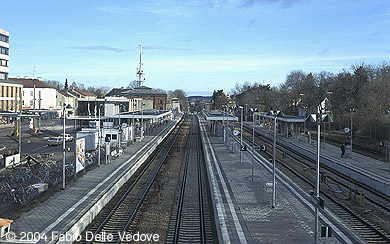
197, 46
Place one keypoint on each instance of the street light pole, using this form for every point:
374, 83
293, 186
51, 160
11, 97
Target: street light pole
132, 141
242, 117
63, 152
253, 143
119, 128
99, 137
142, 120
274, 165
351, 110
246, 112
388, 143
319, 116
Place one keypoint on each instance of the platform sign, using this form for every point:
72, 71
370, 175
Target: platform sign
80, 154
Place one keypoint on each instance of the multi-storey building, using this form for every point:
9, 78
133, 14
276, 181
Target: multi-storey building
4, 54
37, 95
10, 95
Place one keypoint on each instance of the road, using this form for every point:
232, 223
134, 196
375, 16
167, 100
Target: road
35, 143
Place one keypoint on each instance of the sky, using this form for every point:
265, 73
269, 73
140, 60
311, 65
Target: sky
198, 46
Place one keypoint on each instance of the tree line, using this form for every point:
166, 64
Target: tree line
363, 88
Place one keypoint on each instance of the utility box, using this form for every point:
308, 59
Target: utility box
5, 226
91, 139
348, 151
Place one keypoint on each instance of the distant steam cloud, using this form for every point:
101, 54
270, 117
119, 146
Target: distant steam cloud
99, 48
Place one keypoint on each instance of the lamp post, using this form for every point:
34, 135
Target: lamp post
133, 124
351, 110
242, 117
99, 134
119, 127
246, 112
223, 123
63, 147
388, 112
319, 115
253, 143
274, 165
142, 120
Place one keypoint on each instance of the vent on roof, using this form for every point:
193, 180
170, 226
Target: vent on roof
39, 78
26, 77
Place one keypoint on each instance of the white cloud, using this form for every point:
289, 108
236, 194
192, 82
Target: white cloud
114, 10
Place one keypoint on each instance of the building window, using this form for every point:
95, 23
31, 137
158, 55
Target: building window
31, 102
4, 38
4, 50
3, 76
4, 62
31, 93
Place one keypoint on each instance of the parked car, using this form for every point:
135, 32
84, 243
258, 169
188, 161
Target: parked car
53, 141
67, 137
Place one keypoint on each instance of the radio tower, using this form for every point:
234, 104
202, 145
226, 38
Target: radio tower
140, 72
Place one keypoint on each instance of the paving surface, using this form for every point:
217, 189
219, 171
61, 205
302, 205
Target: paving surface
58, 212
256, 221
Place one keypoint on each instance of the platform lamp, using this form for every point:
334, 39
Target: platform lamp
253, 143
134, 105
99, 133
142, 120
119, 126
242, 117
274, 164
351, 110
63, 146
388, 143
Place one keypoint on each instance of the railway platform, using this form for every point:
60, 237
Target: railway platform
243, 206
369, 171
63, 216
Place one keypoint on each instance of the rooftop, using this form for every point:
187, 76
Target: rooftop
143, 90
29, 83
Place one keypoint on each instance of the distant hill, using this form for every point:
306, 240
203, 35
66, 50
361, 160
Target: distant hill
201, 98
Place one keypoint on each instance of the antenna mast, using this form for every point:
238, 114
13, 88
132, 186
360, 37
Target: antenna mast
140, 72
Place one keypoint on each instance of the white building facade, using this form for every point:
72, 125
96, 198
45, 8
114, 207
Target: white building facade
37, 95
4, 54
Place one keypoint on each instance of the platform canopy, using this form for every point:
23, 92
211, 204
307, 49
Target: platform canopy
281, 117
146, 114
218, 115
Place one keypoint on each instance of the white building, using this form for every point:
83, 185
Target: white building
4, 54
37, 95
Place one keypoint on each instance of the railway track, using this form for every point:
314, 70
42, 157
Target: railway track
114, 220
191, 220
369, 152
367, 230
